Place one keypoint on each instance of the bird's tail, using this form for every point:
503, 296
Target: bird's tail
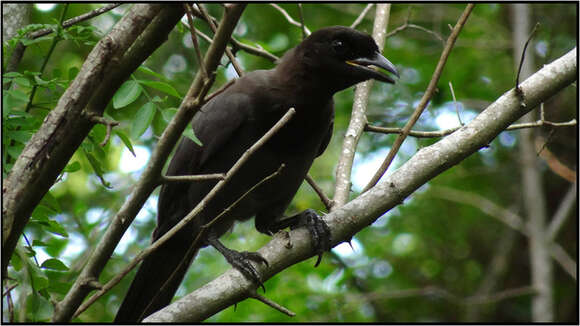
157, 280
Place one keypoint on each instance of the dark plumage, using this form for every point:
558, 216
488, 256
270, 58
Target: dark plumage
329, 60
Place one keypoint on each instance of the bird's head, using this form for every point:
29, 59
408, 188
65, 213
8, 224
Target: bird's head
344, 57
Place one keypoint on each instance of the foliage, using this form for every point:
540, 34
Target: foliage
425, 243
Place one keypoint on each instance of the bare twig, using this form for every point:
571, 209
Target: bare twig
268, 302
108, 123
362, 15
406, 25
442, 133
290, 19
325, 200
455, 103
189, 217
524, 56
562, 212
192, 30
186, 178
424, 100
213, 27
301, 17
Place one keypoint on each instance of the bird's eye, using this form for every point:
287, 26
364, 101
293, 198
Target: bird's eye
339, 47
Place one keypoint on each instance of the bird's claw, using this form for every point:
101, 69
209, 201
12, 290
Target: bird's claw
321, 237
241, 262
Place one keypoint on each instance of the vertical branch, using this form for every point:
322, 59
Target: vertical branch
533, 195
358, 119
425, 99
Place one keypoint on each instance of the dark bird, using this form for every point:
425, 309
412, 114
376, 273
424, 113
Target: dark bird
329, 60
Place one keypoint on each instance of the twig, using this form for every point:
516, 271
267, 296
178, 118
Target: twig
189, 217
289, 18
518, 90
442, 133
10, 288
213, 27
362, 15
263, 299
192, 30
562, 213
406, 25
185, 178
455, 103
237, 45
553, 162
108, 123
325, 200
424, 100
300, 16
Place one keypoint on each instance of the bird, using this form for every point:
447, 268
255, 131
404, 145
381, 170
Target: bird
306, 78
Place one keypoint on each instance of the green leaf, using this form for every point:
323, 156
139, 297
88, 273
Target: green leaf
161, 86
24, 82
96, 165
125, 139
72, 73
38, 243
126, 94
21, 136
12, 74
16, 261
18, 95
151, 72
54, 264
50, 201
143, 120
189, 134
168, 114
55, 227
27, 42
73, 167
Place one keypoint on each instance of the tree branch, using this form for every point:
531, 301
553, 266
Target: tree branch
290, 19
358, 118
344, 222
424, 100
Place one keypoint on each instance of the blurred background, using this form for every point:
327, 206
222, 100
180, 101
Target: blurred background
445, 254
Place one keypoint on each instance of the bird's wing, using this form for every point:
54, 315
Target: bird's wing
214, 125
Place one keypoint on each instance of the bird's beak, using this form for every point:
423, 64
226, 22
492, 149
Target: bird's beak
378, 60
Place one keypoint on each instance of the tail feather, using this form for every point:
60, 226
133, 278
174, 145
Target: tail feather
149, 291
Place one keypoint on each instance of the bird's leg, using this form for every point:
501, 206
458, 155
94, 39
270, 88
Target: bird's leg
319, 230
240, 260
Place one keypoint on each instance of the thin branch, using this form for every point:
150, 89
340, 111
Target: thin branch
425, 99
192, 30
562, 213
442, 133
524, 56
301, 17
325, 200
455, 103
268, 302
194, 212
362, 15
190, 178
406, 25
108, 123
289, 18
213, 27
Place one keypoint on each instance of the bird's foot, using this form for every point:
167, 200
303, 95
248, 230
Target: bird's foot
241, 260
319, 230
